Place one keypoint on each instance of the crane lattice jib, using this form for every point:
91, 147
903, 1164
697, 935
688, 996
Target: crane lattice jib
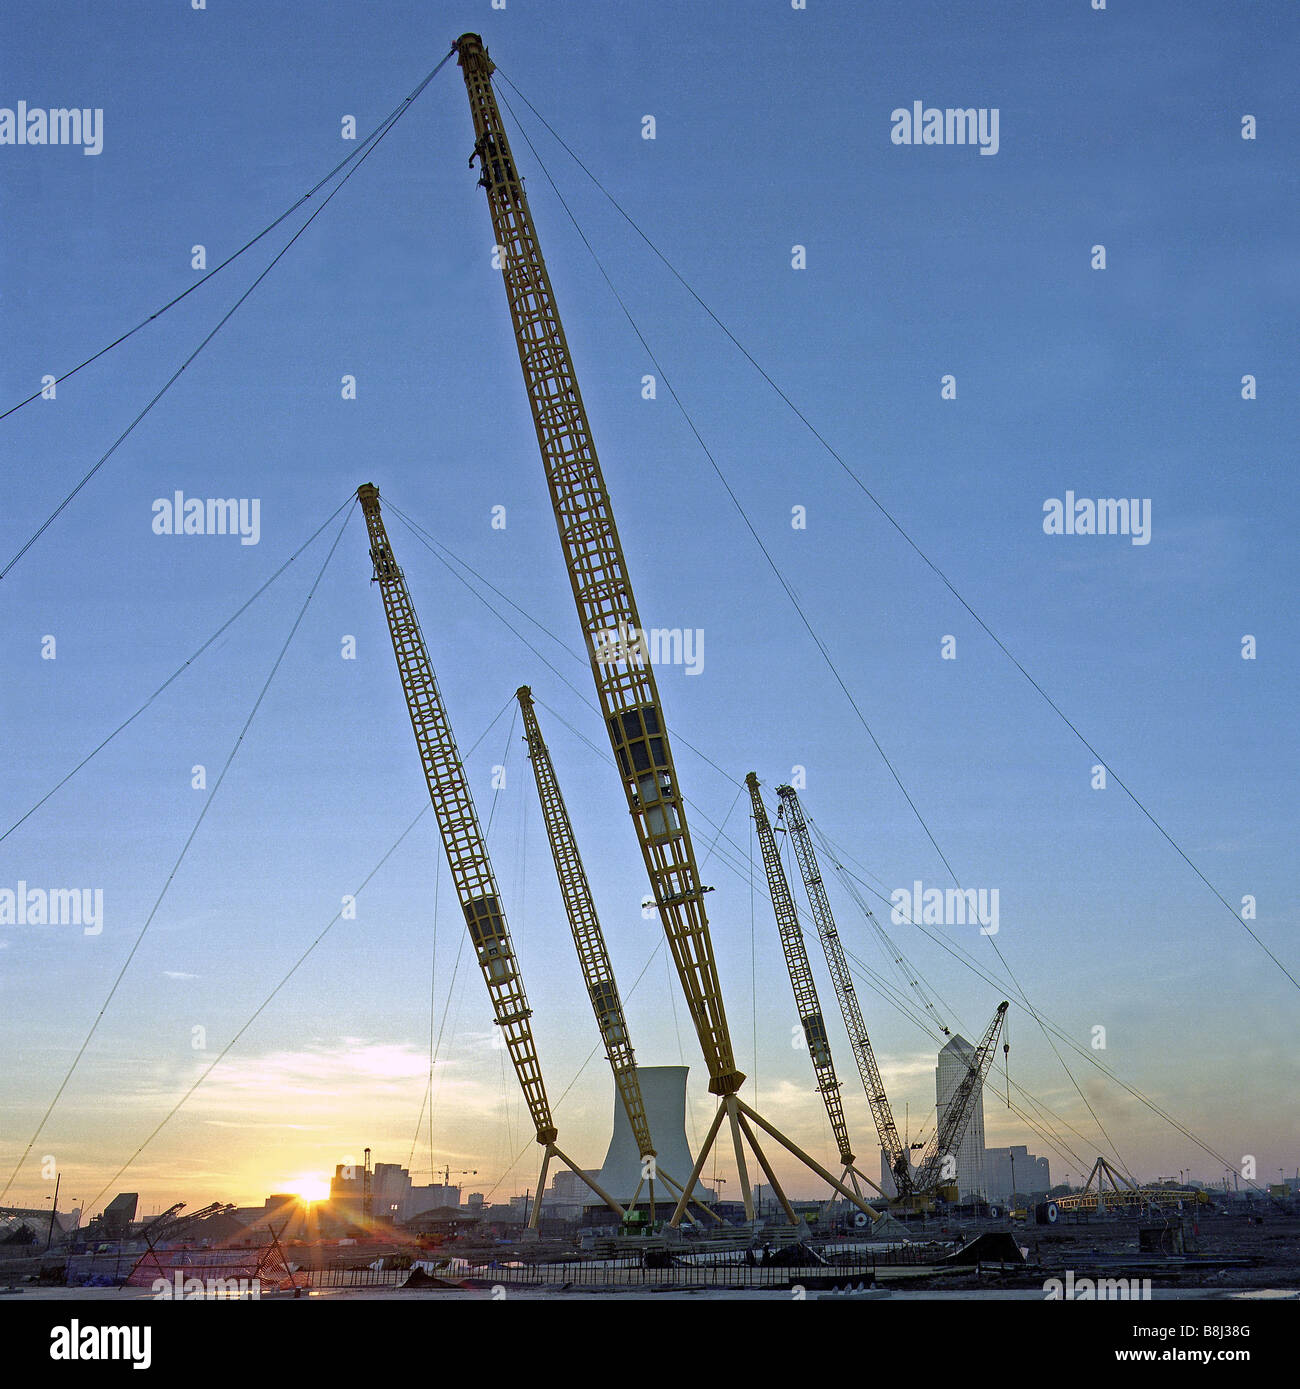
952, 1129
467, 854
801, 979
820, 906
625, 683
597, 971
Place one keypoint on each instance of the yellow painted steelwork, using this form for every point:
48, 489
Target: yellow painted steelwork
593, 956
463, 841
611, 626
807, 1003
625, 682
850, 1009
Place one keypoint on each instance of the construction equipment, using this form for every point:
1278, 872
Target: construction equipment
465, 846
915, 1187
1125, 1194
938, 1162
160, 1222
907, 971
171, 1225
805, 990
597, 972
611, 625
850, 1010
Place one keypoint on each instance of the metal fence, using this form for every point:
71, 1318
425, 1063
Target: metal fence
357, 1277
730, 1273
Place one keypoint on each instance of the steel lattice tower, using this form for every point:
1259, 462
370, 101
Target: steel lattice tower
611, 626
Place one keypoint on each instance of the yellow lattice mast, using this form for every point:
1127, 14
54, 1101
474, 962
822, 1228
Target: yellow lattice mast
611, 625
466, 848
850, 1009
593, 956
805, 989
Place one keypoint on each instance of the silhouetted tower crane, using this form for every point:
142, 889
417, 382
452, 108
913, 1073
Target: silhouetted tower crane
593, 956
805, 990
611, 625
466, 848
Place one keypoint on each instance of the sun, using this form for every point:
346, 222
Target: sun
309, 1189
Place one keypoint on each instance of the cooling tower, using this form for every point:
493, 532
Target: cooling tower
663, 1088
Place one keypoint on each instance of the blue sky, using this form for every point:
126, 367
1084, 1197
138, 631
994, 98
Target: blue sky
1120, 128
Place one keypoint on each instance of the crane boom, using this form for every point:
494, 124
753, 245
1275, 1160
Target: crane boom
847, 995
462, 837
615, 640
952, 1128
597, 972
801, 979
593, 956
625, 682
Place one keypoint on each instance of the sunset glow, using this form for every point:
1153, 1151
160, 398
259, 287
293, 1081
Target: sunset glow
309, 1189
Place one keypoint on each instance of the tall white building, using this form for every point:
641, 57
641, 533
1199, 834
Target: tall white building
954, 1063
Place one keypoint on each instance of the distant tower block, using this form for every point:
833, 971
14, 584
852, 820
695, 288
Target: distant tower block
954, 1064
663, 1089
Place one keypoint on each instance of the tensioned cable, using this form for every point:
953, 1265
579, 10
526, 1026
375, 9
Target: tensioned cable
375, 135
887, 994
176, 674
869, 977
866, 976
180, 858
434, 1050
440, 553
968, 962
447, 1013
803, 617
363, 155
798, 607
890, 948
898, 1000
1071, 1042
261, 1008
735, 500
879, 505
857, 966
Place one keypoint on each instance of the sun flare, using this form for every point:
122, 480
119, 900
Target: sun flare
309, 1189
